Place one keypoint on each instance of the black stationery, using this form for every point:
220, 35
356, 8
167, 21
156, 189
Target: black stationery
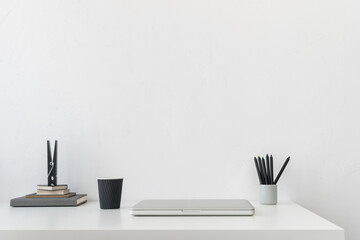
265, 170
52, 165
258, 171
282, 169
271, 169
268, 169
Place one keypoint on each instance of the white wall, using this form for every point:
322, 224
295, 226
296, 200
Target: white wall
178, 96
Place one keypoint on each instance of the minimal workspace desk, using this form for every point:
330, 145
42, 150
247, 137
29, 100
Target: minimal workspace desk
284, 221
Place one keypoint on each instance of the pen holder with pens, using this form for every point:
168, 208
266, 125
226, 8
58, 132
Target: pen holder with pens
268, 186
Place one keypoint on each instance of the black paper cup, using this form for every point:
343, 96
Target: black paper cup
110, 192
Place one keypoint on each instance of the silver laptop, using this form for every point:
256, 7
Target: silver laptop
196, 207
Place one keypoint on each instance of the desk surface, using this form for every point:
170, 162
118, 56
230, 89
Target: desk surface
286, 220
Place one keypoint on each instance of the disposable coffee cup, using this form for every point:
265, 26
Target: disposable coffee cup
110, 192
268, 194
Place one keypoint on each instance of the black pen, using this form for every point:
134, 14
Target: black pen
282, 169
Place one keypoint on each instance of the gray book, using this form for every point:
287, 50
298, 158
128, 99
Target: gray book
49, 202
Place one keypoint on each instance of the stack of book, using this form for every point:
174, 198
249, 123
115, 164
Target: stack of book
50, 196
45, 191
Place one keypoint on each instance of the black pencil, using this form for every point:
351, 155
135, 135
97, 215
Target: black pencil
271, 170
264, 170
268, 168
258, 171
281, 171
261, 171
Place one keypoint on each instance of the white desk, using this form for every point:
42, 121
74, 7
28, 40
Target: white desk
88, 222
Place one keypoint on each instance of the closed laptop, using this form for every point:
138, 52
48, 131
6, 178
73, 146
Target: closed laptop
193, 207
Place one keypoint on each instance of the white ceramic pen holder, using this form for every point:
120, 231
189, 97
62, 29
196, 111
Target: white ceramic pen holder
268, 194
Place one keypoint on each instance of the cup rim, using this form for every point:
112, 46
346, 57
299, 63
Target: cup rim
109, 178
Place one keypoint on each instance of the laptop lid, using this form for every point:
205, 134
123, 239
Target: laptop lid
193, 207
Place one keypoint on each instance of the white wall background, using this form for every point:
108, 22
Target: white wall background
178, 96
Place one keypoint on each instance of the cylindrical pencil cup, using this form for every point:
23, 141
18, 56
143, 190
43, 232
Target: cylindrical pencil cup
110, 192
268, 194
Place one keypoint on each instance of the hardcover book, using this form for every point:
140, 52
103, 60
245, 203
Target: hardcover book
34, 195
52, 188
55, 192
49, 202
